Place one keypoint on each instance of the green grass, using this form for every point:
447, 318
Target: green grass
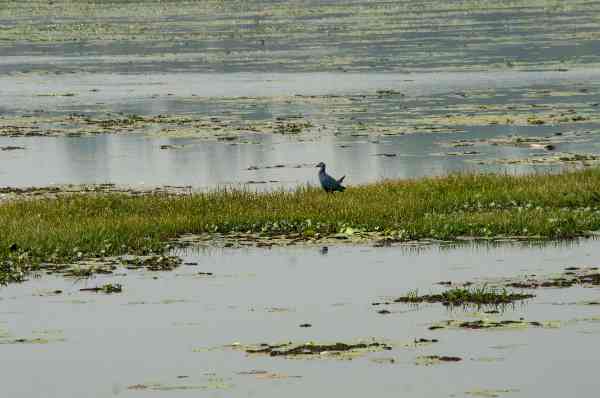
483, 295
536, 206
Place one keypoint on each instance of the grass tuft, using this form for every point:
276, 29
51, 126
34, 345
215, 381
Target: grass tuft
483, 295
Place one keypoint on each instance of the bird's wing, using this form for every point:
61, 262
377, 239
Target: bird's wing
329, 182
339, 181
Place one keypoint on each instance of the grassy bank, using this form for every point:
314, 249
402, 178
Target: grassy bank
545, 206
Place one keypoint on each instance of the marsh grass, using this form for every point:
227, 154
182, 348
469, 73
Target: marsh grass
483, 295
534, 206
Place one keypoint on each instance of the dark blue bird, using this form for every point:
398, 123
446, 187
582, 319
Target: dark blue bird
328, 183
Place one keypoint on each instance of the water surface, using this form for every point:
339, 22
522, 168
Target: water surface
171, 324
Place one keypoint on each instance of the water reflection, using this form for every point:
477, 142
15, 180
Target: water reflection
135, 160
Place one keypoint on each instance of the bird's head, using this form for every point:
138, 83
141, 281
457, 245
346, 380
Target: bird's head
320, 165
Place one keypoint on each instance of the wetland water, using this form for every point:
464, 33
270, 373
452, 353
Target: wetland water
356, 123
254, 93
165, 325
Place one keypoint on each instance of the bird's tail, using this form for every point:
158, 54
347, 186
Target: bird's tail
341, 179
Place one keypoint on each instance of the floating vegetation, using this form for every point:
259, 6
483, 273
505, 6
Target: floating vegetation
315, 350
163, 126
492, 324
171, 146
153, 263
35, 340
546, 142
293, 126
388, 92
266, 375
11, 148
52, 192
584, 159
570, 277
505, 116
359, 35
57, 95
39, 337
466, 296
212, 383
422, 341
428, 360
80, 267
108, 288
11, 272
383, 360
490, 393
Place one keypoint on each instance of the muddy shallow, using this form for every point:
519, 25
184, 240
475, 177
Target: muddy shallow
167, 325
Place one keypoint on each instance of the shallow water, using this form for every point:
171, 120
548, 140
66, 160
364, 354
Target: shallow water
354, 127
171, 324
323, 61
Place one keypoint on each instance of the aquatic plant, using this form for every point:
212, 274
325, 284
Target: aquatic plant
483, 295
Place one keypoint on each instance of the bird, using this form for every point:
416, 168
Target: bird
328, 183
